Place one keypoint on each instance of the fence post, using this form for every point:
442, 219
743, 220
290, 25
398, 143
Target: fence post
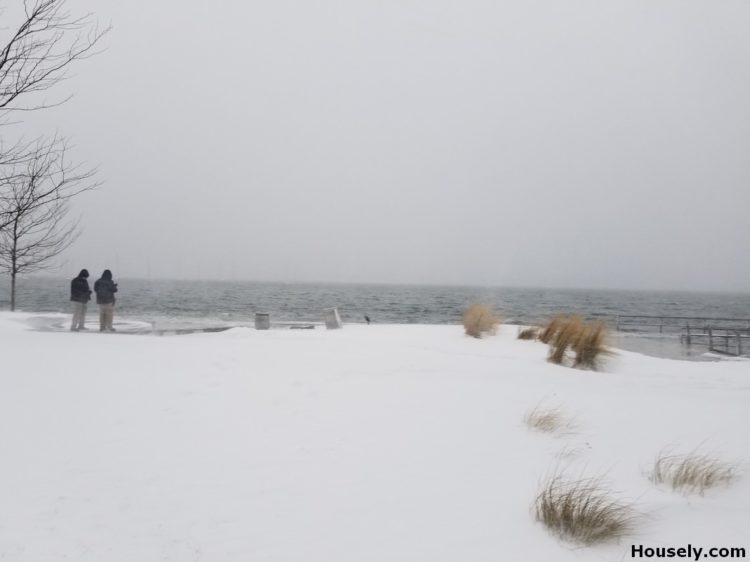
710, 339
739, 344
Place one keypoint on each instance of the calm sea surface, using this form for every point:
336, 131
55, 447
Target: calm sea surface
202, 304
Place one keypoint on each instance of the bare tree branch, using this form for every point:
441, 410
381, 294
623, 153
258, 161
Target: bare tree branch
43, 166
40, 51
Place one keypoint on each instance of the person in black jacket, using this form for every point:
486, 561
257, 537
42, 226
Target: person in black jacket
80, 294
105, 290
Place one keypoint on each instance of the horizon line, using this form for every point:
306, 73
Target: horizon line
414, 284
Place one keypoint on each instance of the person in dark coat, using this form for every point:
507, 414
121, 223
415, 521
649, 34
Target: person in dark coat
105, 290
80, 294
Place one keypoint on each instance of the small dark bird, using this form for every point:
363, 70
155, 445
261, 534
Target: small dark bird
367, 319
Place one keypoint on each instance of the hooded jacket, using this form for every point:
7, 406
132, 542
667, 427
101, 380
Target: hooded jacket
79, 288
105, 288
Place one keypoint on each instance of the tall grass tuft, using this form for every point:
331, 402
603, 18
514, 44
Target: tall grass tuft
583, 511
568, 332
480, 319
573, 341
590, 345
692, 473
552, 327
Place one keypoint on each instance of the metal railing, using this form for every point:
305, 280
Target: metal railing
625, 321
722, 335
720, 340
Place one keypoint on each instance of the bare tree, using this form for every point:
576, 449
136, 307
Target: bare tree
37, 181
40, 50
34, 206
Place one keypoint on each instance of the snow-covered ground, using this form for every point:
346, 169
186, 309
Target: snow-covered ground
372, 443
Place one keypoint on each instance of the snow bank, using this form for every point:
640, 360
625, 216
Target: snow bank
372, 443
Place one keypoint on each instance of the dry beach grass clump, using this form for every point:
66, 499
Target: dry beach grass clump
552, 327
583, 511
566, 332
692, 473
547, 420
530, 333
590, 345
479, 320
579, 343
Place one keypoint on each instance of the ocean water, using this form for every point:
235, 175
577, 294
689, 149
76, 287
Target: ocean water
167, 305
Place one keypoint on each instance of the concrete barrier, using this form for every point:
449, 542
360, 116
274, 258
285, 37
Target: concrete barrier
332, 319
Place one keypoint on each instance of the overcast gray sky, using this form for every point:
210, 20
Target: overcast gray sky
545, 143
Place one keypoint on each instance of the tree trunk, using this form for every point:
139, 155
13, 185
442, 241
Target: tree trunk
12, 291
14, 265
